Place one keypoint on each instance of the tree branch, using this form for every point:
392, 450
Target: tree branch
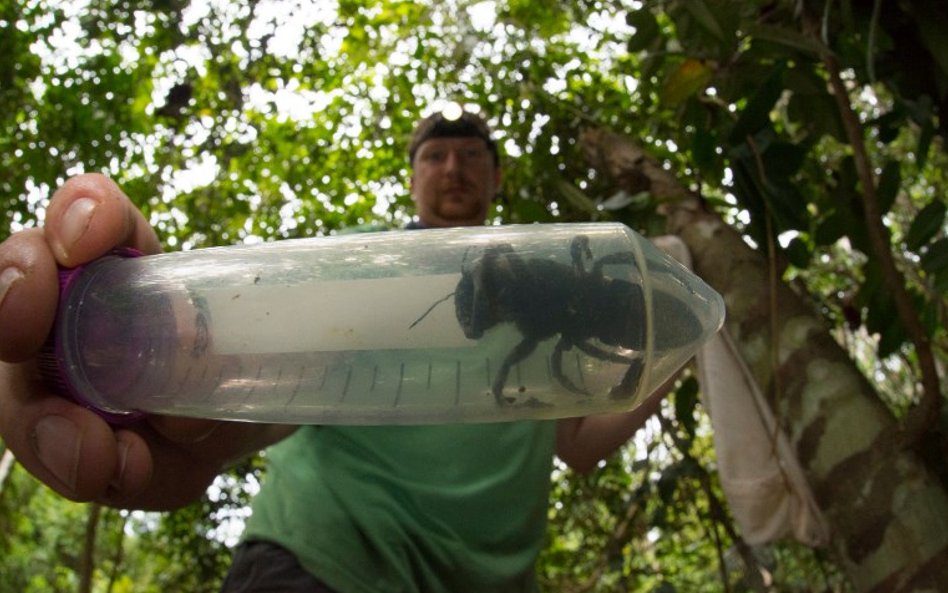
87, 565
925, 414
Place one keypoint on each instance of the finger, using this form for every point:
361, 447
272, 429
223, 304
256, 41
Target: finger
157, 474
133, 472
29, 291
67, 447
89, 215
184, 469
183, 431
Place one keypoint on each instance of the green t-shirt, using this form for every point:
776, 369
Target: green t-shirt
411, 508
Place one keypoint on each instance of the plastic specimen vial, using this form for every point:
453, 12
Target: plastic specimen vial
469, 324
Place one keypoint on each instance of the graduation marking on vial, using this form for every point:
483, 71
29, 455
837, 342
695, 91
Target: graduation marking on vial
543, 299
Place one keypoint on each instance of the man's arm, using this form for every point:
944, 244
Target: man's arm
583, 442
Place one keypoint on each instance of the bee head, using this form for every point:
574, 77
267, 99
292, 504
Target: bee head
471, 302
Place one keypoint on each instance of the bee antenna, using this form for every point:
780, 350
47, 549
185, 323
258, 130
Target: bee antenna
430, 309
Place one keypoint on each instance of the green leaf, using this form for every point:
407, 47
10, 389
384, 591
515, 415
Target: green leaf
576, 197
924, 143
646, 29
687, 79
935, 259
880, 319
703, 145
686, 399
622, 199
890, 180
931, 22
783, 160
830, 229
927, 223
784, 36
811, 105
889, 125
705, 17
935, 263
940, 282
756, 115
798, 253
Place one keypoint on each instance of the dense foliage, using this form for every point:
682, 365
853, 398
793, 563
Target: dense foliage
816, 129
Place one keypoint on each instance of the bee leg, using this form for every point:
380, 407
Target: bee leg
630, 381
623, 257
556, 366
597, 352
520, 351
578, 248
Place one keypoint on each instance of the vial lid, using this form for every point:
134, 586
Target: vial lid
52, 361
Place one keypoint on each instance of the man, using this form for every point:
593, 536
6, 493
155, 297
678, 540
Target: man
456, 171
347, 509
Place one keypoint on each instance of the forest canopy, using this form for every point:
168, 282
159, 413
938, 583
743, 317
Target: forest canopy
814, 131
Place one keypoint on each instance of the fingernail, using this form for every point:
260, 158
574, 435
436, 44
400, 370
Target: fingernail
116, 482
75, 223
8, 278
57, 442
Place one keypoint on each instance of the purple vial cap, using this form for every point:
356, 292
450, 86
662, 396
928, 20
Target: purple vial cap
52, 360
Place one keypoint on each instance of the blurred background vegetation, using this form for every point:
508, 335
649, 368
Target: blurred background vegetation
814, 129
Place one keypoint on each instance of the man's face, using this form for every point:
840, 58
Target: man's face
453, 181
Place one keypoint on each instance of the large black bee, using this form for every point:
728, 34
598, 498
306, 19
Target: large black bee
545, 298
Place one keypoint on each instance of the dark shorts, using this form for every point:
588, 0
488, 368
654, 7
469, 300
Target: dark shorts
263, 567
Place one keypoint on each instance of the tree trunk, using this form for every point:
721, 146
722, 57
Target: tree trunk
118, 556
887, 511
87, 564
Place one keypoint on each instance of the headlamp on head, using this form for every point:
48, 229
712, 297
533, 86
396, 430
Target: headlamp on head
452, 112
452, 122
